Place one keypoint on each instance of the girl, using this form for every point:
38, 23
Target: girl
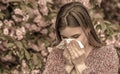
73, 21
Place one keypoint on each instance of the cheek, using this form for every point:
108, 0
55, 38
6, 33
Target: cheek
82, 38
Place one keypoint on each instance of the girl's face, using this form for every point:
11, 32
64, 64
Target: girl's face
74, 33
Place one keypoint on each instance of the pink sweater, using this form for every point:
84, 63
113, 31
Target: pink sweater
100, 61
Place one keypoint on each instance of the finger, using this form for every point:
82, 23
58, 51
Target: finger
78, 49
72, 51
66, 54
74, 47
62, 42
61, 45
75, 43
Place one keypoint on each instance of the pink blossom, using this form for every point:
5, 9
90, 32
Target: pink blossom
34, 27
37, 19
5, 31
20, 37
109, 42
44, 53
50, 49
36, 12
22, 29
26, 17
44, 31
35, 72
12, 33
18, 11
52, 36
43, 6
18, 32
17, 19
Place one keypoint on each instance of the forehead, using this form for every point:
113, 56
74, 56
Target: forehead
68, 31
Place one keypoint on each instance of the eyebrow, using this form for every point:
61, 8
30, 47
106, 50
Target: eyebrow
78, 34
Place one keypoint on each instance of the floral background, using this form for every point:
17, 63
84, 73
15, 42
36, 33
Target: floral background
27, 32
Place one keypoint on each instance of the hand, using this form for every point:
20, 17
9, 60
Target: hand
62, 45
68, 66
77, 54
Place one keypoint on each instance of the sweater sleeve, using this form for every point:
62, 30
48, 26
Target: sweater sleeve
55, 63
109, 61
103, 61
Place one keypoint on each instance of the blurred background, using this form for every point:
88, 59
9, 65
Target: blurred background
27, 31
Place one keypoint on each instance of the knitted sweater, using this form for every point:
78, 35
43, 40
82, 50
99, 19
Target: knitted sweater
100, 61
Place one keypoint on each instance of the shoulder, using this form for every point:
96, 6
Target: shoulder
56, 51
109, 48
105, 51
55, 55
109, 53
55, 62
104, 59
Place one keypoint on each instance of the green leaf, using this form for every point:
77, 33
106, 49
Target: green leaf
25, 43
0, 32
19, 44
31, 65
50, 16
98, 27
14, 0
2, 38
21, 55
5, 71
2, 15
103, 27
39, 64
27, 55
9, 45
35, 59
47, 44
107, 23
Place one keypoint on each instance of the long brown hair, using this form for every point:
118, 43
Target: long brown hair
75, 14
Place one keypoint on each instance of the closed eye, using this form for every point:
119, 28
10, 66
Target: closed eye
63, 36
76, 36
73, 36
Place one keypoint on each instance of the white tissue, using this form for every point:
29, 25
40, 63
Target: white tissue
79, 42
